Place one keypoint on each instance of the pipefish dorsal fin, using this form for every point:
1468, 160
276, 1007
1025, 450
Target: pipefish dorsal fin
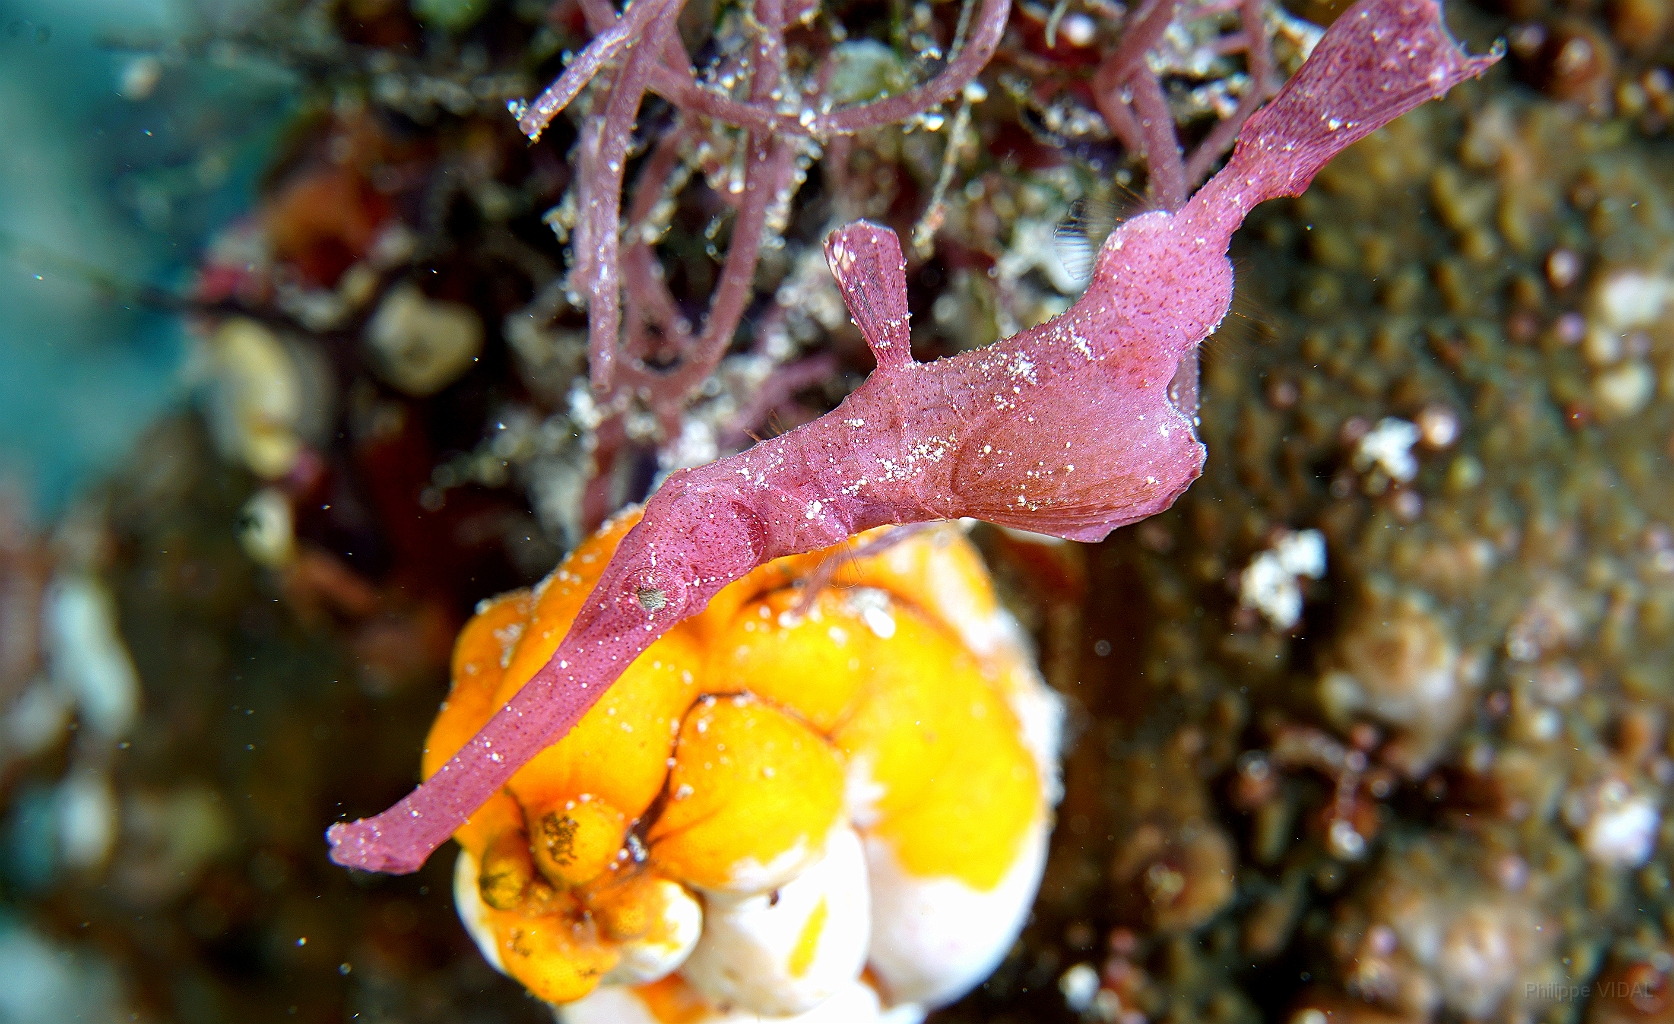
871, 272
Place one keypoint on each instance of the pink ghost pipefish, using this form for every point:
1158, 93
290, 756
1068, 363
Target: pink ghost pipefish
1072, 428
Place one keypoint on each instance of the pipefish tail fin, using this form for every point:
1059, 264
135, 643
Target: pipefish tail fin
1377, 61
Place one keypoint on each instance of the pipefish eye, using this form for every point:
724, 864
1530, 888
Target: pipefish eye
651, 598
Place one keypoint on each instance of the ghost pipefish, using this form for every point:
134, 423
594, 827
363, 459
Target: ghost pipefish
1071, 428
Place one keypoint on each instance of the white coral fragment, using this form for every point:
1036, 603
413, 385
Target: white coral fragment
1619, 303
1272, 583
1387, 448
1616, 826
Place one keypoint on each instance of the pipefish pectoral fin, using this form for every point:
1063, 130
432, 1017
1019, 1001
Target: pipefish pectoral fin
1072, 469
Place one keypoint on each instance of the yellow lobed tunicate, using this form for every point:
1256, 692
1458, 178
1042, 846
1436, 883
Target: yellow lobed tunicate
788, 807
751, 796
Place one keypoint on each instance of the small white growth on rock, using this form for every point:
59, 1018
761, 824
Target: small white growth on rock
267, 529
583, 409
35, 721
1271, 585
1305, 35
1622, 302
1387, 448
1034, 246
86, 654
421, 344
1344, 841
810, 297
1563, 267
257, 403
1616, 826
139, 77
87, 822
1079, 985
1623, 390
1438, 426
1554, 619
1077, 29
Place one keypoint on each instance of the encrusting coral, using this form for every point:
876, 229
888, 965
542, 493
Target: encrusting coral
791, 786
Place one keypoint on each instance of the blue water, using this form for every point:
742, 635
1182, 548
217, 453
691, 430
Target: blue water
99, 193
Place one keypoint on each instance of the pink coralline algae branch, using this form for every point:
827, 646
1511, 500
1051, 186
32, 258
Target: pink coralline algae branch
779, 115
1130, 98
641, 348
1071, 428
